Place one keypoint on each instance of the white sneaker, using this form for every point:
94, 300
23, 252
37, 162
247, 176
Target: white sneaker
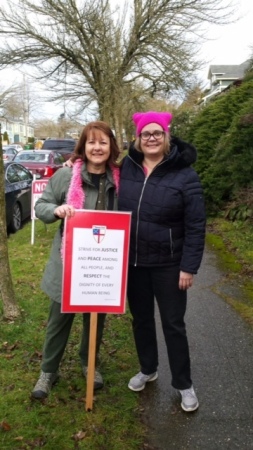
138, 382
189, 400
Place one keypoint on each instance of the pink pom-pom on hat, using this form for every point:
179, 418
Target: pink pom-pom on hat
141, 119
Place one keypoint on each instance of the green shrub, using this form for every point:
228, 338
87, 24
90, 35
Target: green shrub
215, 120
223, 135
231, 165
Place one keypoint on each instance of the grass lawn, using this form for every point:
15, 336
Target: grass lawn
61, 422
233, 243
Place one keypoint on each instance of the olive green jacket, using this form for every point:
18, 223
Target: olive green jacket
54, 195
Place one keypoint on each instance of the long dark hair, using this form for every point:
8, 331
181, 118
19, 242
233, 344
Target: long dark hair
95, 128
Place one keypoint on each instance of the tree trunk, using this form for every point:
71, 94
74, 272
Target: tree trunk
111, 115
10, 307
118, 129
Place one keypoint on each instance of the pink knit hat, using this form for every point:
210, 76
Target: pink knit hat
161, 118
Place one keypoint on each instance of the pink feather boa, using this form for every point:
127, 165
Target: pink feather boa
76, 193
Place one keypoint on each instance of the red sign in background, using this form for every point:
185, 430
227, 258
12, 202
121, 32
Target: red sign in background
38, 187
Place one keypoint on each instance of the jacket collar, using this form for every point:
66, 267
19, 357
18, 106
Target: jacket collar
112, 175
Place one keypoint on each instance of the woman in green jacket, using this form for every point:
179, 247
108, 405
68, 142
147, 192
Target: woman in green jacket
91, 184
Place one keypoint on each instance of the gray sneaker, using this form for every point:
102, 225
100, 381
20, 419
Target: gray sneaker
138, 382
189, 400
44, 384
98, 380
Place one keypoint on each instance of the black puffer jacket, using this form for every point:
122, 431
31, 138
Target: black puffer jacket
168, 213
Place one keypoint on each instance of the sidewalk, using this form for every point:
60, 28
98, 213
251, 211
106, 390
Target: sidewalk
221, 346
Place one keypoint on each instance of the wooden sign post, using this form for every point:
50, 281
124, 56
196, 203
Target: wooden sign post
91, 361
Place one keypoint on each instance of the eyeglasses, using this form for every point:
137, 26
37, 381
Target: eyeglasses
146, 135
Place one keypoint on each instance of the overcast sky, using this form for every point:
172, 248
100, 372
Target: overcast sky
230, 44
227, 44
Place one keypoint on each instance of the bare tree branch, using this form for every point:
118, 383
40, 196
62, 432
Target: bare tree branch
81, 50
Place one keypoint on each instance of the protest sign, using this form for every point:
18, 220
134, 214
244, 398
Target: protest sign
95, 266
95, 261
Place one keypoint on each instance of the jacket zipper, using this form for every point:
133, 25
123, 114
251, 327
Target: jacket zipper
137, 224
138, 209
171, 244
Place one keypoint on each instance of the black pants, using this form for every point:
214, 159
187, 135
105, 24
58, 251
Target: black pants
144, 286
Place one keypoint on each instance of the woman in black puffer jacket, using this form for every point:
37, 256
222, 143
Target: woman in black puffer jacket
164, 194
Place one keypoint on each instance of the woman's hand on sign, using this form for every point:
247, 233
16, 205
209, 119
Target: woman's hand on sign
64, 211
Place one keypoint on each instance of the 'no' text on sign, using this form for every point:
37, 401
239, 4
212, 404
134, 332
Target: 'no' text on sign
38, 187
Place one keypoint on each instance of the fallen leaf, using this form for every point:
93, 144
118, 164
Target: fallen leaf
79, 436
112, 352
5, 426
12, 347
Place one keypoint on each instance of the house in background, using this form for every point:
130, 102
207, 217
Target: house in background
18, 131
222, 76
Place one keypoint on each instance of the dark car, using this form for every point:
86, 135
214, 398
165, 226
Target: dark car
63, 146
9, 153
42, 163
18, 192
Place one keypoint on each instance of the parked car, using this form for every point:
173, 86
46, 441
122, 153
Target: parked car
9, 153
42, 163
18, 192
18, 147
63, 146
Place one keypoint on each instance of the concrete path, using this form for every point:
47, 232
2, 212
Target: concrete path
221, 346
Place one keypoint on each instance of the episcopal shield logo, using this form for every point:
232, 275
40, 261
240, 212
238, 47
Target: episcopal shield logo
98, 232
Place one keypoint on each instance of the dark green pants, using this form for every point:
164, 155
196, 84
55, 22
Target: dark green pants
57, 334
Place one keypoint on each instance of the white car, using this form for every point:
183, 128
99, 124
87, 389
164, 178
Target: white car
9, 153
18, 147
